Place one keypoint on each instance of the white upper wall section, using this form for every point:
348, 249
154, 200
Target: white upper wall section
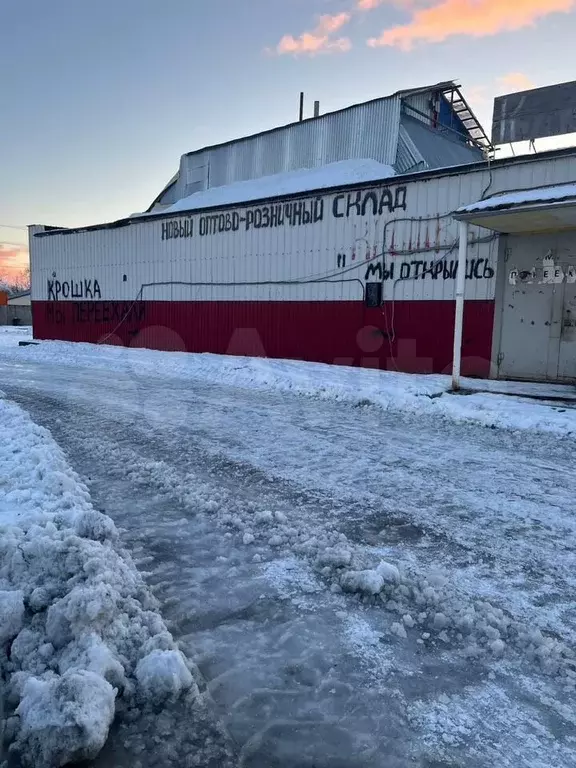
316, 246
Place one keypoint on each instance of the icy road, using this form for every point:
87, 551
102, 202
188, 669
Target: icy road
358, 587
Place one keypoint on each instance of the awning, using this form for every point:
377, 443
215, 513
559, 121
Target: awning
542, 209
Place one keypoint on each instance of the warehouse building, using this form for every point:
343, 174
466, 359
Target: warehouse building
353, 260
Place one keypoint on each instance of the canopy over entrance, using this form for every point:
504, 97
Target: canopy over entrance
543, 209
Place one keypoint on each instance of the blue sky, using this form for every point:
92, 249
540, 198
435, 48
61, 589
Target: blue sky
99, 100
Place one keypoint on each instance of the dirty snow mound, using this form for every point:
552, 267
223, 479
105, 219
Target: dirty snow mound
163, 674
78, 626
65, 718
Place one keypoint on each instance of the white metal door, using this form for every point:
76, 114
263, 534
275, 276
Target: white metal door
538, 332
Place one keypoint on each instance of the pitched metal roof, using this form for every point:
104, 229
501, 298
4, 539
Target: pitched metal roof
437, 148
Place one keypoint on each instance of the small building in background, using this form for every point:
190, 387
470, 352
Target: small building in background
15, 309
22, 299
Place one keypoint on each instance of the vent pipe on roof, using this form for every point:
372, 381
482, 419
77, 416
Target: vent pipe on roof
316, 109
301, 114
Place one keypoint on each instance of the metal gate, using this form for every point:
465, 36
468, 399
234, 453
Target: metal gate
538, 329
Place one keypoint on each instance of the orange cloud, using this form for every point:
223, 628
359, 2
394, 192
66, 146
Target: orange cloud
514, 82
318, 40
369, 5
329, 24
475, 18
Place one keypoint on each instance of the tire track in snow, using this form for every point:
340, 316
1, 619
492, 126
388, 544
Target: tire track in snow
226, 473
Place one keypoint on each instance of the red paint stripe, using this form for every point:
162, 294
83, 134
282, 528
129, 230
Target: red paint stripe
345, 332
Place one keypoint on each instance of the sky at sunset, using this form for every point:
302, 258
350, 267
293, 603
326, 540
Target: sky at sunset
99, 100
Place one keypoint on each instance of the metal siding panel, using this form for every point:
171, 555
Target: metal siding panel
279, 253
437, 149
408, 157
421, 102
367, 131
422, 339
520, 175
268, 254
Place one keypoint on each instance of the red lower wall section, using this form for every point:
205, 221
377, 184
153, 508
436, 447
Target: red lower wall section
413, 336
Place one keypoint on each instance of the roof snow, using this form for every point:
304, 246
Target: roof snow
292, 182
555, 194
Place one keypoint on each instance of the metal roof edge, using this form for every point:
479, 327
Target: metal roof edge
500, 202
514, 208
433, 173
398, 94
167, 186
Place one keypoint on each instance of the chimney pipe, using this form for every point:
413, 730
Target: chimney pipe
301, 106
316, 109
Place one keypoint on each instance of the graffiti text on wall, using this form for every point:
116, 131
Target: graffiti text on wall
550, 274
109, 312
295, 214
70, 289
361, 203
97, 312
476, 269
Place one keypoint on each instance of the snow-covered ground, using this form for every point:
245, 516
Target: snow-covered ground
361, 579
407, 393
10, 335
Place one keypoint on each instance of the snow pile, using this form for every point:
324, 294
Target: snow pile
515, 413
78, 627
427, 605
163, 674
11, 614
66, 718
356, 386
335, 175
555, 194
433, 606
417, 394
370, 582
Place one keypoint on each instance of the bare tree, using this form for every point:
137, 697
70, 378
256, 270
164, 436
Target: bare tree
15, 282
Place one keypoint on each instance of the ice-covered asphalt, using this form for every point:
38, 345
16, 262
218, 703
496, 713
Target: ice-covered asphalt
230, 500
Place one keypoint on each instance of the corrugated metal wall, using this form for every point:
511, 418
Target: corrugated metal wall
438, 148
350, 244
346, 246
424, 103
408, 157
365, 131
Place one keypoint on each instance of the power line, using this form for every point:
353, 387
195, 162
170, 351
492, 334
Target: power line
11, 226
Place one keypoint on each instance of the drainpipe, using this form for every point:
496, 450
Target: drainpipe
460, 287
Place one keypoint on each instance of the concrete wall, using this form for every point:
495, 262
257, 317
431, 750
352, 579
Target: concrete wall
15, 314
